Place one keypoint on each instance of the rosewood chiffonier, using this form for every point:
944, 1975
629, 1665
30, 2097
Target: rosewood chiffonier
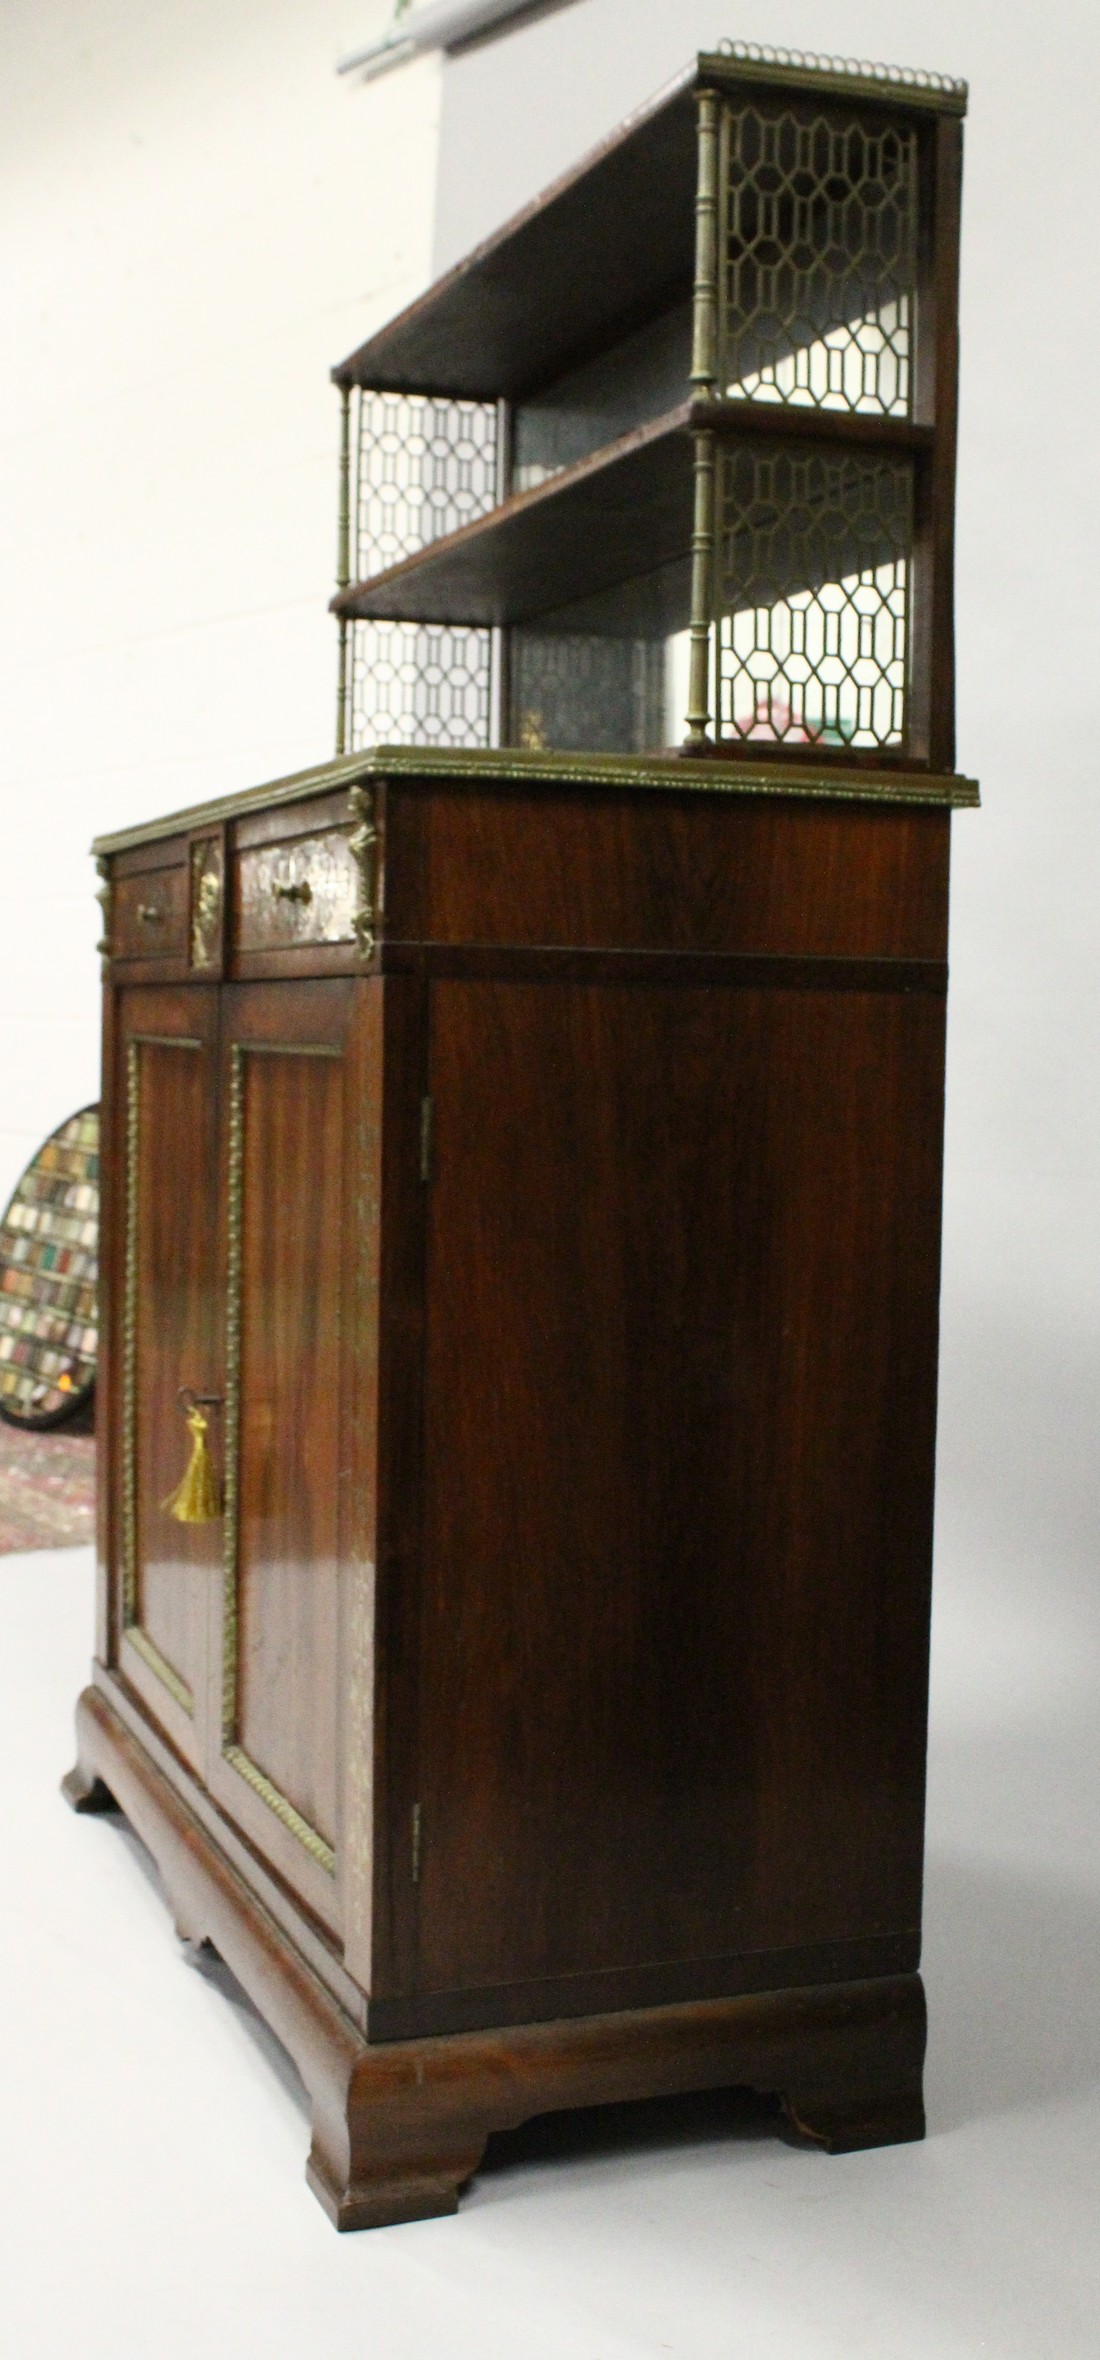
523, 1142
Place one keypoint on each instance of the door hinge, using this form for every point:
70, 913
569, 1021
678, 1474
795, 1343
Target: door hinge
416, 1843
427, 1126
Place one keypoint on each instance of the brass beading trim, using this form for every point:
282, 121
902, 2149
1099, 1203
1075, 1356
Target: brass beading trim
811, 70
151, 1656
234, 1234
284, 1810
514, 765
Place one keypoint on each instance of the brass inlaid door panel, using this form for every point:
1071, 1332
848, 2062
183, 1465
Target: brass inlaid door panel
165, 1130
275, 1765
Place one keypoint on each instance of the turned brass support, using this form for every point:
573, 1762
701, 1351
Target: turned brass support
702, 595
704, 378
343, 565
704, 349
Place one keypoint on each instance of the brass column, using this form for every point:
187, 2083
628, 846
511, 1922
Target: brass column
704, 379
343, 565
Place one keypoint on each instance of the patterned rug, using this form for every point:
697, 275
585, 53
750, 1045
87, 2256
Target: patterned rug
47, 1489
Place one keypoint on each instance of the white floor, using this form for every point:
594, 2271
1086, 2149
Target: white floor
152, 2141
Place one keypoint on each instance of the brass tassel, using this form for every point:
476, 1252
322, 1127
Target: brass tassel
195, 1500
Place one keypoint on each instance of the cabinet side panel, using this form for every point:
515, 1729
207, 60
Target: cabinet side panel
682, 1289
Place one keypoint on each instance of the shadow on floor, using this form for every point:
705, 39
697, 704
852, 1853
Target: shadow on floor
700, 2118
204, 1960
1014, 2003
1013, 1990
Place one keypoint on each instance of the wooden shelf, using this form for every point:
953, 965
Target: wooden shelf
608, 246
624, 512
804, 422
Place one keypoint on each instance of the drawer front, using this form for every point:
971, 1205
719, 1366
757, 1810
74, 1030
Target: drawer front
700, 872
149, 915
302, 891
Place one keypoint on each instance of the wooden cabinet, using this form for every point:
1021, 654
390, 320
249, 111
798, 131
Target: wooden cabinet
232, 1125
531, 1159
555, 1237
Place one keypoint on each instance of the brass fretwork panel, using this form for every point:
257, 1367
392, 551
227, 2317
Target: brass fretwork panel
814, 555
574, 689
818, 266
419, 684
424, 467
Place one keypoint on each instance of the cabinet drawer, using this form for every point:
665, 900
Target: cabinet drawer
149, 915
303, 890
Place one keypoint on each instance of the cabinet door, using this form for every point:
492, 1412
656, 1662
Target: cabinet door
294, 1102
163, 1128
682, 1276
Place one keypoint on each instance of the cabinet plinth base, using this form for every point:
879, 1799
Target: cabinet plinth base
400, 2126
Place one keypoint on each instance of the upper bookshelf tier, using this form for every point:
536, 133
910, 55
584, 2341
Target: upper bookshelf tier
669, 460
612, 243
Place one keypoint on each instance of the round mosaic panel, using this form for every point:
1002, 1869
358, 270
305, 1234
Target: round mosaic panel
49, 1240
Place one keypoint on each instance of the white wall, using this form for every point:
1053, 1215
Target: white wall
1020, 1397
199, 218
196, 220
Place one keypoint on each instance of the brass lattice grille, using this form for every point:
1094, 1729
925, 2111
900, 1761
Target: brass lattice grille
419, 684
423, 468
819, 264
575, 690
814, 554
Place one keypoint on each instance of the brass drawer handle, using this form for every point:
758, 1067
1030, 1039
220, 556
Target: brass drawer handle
149, 913
302, 892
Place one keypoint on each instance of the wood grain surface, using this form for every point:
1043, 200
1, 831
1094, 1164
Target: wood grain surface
678, 1474
664, 872
568, 1665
